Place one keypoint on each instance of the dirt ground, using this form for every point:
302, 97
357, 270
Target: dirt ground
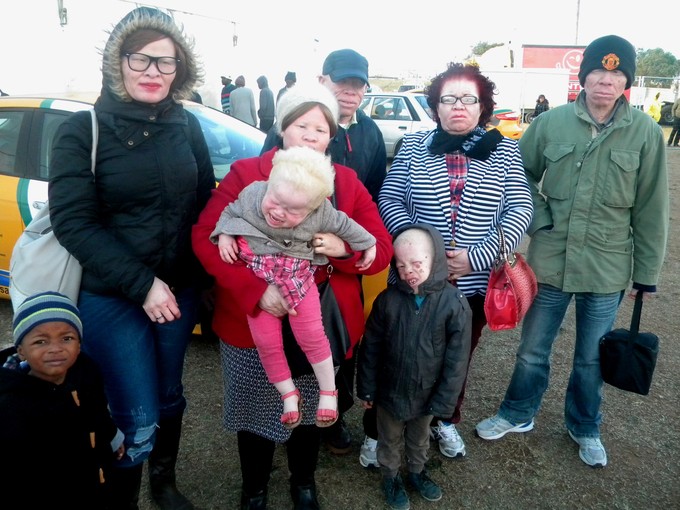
537, 470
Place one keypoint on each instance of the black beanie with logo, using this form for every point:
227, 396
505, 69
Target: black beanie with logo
611, 53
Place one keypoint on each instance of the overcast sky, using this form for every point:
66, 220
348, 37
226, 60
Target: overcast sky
398, 38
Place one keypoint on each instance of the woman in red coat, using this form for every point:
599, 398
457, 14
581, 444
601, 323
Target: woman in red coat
305, 117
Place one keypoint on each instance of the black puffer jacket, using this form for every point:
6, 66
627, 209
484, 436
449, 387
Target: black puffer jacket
413, 361
133, 220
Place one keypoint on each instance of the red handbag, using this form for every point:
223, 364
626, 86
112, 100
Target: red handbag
511, 290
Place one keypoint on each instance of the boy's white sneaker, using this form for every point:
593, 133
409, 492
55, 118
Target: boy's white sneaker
450, 442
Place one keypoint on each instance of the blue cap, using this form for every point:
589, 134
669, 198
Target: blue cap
344, 64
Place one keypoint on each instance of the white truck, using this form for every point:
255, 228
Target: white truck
518, 89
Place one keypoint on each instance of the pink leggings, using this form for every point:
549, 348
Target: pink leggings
307, 328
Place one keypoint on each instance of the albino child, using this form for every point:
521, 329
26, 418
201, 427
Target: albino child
272, 228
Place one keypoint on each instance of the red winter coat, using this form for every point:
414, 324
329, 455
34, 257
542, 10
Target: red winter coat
238, 290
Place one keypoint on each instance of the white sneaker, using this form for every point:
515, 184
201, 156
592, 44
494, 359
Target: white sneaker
450, 442
496, 427
590, 450
368, 457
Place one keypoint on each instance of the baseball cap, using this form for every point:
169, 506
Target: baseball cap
343, 64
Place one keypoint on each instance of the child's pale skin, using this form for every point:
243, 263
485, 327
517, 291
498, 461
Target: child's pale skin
51, 349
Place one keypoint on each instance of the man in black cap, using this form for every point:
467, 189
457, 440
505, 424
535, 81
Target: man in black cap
597, 173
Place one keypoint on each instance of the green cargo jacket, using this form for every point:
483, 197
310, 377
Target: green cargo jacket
600, 198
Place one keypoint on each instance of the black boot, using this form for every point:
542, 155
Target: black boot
304, 497
162, 466
123, 487
257, 501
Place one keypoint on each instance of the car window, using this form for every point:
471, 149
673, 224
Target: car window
228, 139
51, 121
423, 102
10, 128
400, 110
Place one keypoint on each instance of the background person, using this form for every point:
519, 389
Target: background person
225, 96
464, 181
412, 358
56, 434
290, 79
267, 111
130, 228
654, 110
597, 171
674, 137
542, 105
252, 408
242, 102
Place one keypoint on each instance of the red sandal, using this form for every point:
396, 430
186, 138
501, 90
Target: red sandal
292, 419
327, 413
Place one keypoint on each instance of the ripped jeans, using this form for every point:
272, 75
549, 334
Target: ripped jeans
141, 363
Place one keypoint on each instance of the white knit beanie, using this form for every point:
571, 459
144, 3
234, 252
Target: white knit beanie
306, 93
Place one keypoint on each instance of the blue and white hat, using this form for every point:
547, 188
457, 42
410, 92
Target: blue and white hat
45, 307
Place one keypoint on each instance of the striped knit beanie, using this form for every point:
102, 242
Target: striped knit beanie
45, 307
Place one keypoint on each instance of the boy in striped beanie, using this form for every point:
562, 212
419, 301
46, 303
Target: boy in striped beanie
54, 419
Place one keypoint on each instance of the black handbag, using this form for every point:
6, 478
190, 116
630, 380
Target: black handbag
628, 358
333, 324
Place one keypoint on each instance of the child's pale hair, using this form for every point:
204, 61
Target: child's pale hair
415, 237
306, 170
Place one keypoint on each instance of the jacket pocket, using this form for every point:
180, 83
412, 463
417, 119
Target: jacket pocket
558, 174
620, 184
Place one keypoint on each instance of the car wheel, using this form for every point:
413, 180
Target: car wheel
528, 117
666, 115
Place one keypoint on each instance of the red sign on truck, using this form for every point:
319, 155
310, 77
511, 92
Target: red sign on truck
555, 57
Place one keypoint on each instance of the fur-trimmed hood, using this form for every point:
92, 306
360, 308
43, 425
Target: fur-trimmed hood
151, 19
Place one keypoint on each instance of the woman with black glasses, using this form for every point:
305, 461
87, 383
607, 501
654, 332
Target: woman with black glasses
130, 228
465, 181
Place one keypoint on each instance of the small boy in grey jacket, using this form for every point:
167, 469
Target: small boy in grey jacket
413, 358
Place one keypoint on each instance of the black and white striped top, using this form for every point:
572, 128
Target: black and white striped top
417, 189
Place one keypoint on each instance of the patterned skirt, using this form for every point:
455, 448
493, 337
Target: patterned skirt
252, 403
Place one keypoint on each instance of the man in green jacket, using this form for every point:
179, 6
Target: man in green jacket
597, 171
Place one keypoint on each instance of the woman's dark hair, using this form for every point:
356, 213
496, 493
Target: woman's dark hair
470, 72
140, 38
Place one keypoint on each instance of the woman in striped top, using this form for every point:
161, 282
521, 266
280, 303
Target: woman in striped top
465, 181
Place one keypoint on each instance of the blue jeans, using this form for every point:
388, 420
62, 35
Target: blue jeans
595, 316
141, 363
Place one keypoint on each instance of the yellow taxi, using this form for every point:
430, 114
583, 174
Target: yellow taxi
27, 129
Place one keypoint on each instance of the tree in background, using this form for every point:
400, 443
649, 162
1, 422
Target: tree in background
657, 63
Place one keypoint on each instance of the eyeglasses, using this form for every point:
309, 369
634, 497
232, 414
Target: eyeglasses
141, 62
467, 99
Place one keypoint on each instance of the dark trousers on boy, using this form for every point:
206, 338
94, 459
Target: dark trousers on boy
396, 436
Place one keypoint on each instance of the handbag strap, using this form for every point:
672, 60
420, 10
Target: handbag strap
504, 254
95, 140
637, 313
